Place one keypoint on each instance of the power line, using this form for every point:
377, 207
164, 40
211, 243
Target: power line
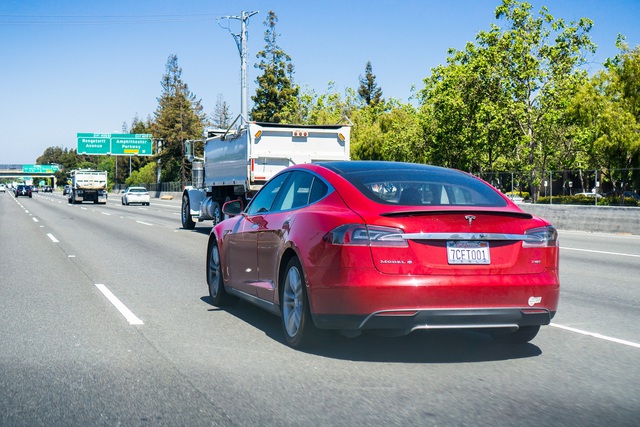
100, 19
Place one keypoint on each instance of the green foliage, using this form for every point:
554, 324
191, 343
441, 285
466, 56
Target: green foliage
145, 175
276, 95
498, 102
613, 200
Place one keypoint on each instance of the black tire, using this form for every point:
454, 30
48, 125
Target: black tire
122, 202
523, 335
217, 212
187, 221
297, 324
217, 292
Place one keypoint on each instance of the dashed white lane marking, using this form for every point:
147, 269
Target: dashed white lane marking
131, 318
35, 219
595, 335
53, 239
600, 252
144, 223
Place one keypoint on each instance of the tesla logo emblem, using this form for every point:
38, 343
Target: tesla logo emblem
470, 218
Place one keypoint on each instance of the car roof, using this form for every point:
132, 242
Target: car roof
345, 167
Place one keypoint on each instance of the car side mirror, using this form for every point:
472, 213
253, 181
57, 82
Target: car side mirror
232, 208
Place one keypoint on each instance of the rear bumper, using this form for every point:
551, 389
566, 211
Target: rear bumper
410, 320
362, 298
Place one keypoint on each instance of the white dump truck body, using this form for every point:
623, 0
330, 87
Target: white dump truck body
237, 163
88, 185
261, 150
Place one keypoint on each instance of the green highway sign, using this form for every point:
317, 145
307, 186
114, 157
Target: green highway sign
117, 144
40, 169
94, 143
129, 144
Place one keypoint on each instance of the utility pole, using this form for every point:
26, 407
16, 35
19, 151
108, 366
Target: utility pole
241, 42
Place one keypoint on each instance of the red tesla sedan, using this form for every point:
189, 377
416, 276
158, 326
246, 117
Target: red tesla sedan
386, 247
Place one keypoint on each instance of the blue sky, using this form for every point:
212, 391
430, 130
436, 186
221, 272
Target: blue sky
72, 66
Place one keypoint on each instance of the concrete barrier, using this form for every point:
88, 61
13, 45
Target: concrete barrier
605, 219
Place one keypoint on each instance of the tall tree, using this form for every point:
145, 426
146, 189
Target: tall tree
179, 117
368, 91
221, 116
276, 95
512, 85
607, 114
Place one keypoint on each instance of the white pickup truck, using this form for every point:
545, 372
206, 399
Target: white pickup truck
237, 163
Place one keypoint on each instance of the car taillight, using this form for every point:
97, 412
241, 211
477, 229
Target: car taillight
363, 235
540, 237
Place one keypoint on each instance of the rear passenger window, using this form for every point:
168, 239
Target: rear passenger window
318, 190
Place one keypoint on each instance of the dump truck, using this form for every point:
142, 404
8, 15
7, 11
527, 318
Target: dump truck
88, 186
238, 162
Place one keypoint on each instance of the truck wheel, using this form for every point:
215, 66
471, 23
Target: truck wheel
299, 330
217, 212
217, 292
187, 221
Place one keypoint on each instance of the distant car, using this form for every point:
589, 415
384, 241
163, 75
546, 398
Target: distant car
66, 190
3, 188
515, 198
23, 190
386, 247
136, 195
631, 194
48, 189
34, 189
586, 194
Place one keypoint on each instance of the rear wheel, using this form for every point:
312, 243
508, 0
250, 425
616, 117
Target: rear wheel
187, 221
523, 335
217, 292
299, 330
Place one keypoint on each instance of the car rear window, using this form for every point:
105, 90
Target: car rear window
427, 187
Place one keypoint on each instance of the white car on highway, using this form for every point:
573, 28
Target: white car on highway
136, 195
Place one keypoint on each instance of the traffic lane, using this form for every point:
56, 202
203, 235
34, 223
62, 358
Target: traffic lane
600, 243
237, 358
600, 293
151, 268
164, 214
67, 357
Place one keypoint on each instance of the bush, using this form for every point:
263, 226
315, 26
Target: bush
586, 200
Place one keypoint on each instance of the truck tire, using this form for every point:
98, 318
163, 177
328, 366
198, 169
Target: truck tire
217, 212
187, 221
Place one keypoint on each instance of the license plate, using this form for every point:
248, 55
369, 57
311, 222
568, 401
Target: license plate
468, 252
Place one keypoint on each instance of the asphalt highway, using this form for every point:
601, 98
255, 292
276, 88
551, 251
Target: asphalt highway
105, 320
